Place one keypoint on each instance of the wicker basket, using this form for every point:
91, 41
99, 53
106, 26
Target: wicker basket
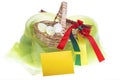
52, 41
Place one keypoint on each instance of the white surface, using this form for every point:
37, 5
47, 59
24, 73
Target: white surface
14, 14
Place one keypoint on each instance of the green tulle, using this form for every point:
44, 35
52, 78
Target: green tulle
29, 48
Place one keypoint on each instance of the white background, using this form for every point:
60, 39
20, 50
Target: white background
14, 14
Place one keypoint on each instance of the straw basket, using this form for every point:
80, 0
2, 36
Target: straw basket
52, 41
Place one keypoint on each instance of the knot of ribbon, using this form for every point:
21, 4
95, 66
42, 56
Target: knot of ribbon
85, 31
68, 34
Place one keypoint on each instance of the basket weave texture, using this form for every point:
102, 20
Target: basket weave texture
52, 41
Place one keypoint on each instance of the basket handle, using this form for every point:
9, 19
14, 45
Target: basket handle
61, 15
68, 21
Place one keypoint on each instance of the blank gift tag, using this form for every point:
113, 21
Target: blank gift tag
55, 63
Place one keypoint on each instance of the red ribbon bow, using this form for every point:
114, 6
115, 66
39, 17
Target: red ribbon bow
66, 36
85, 31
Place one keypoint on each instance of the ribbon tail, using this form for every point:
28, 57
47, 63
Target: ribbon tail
76, 50
77, 59
74, 43
64, 39
96, 48
83, 53
81, 57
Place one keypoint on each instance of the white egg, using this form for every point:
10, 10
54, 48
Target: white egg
42, 27
50, 30
58, 28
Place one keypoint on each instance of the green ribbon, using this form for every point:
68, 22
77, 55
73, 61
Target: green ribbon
74, 43
76, 48
77, 59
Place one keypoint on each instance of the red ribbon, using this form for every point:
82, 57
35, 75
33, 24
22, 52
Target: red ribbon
85, 31
66, 36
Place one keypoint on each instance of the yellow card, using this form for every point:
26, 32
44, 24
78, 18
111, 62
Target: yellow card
83, 52
55, 63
